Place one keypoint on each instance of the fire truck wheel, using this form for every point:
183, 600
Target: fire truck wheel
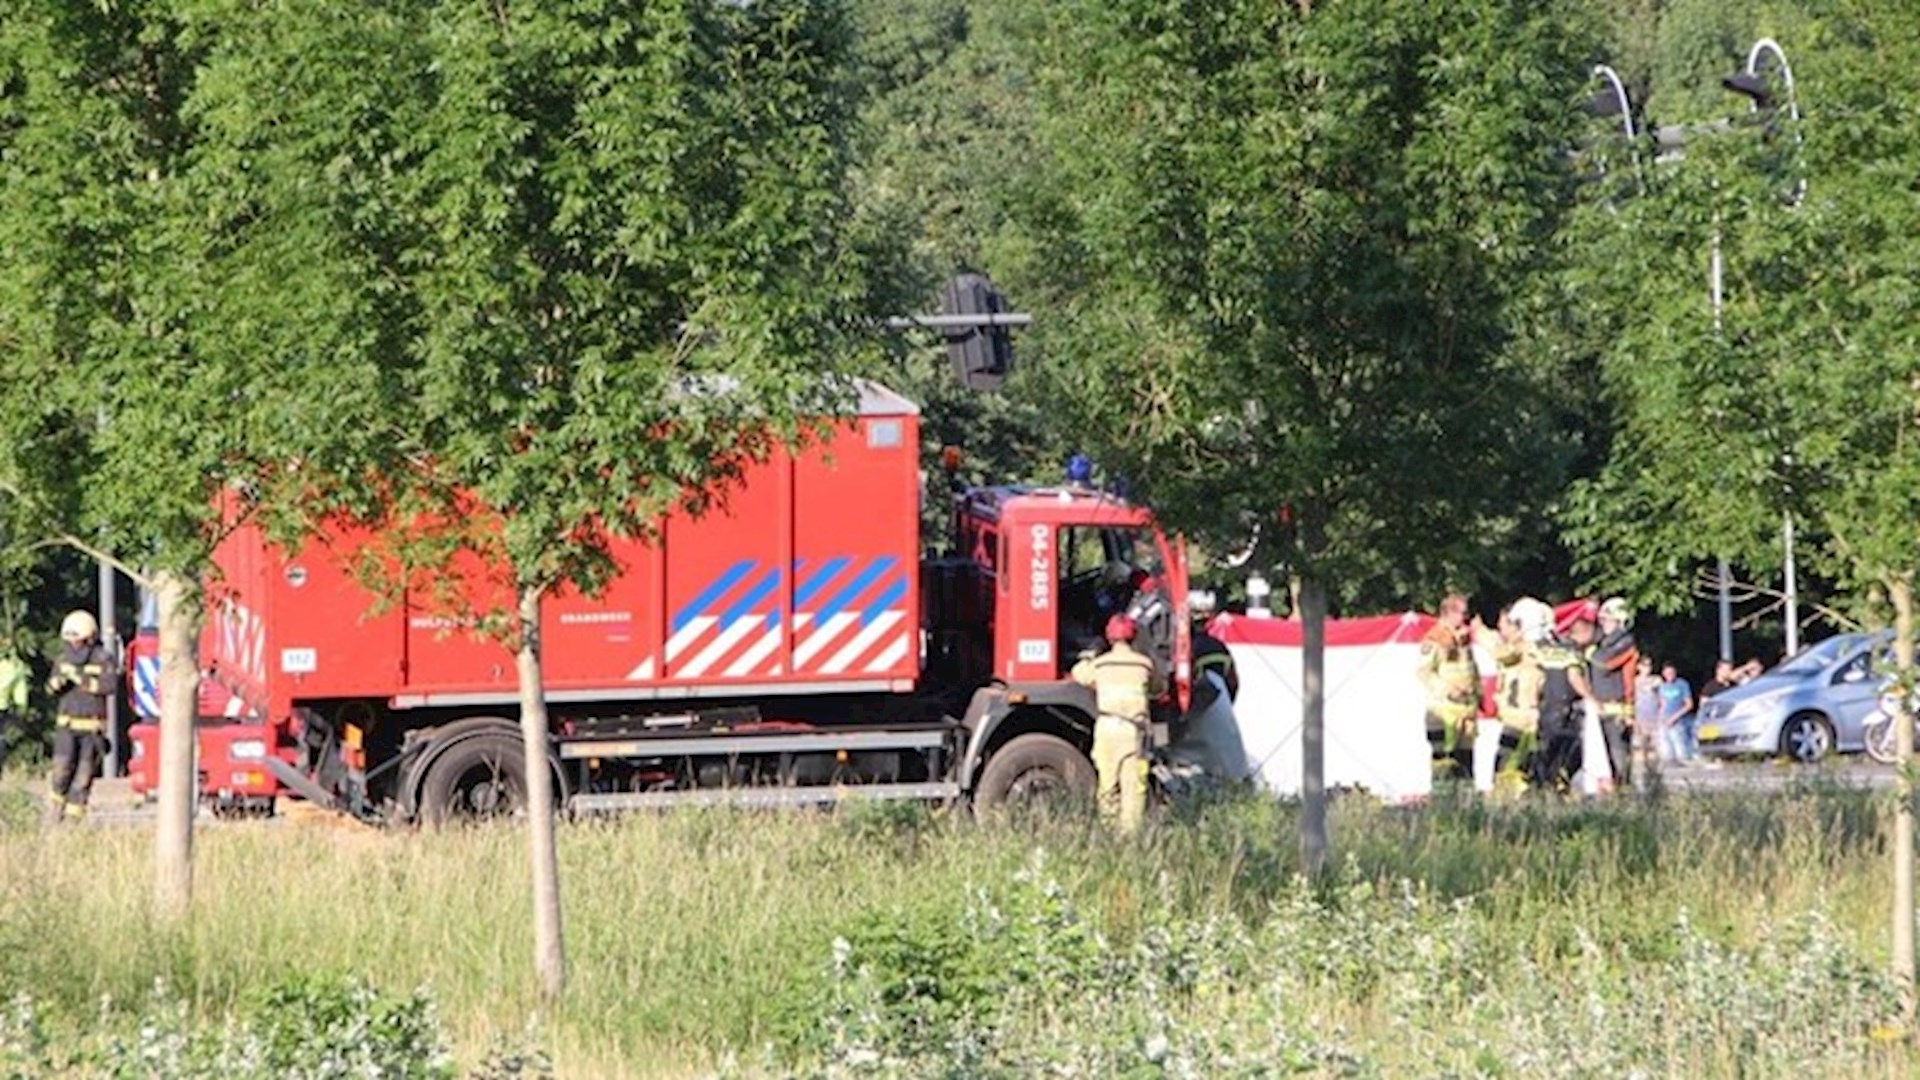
1033, 769
481, 776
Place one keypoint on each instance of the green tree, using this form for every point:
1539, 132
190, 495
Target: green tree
1804, 399
1288, 240
606, 275
133, 403
943, 146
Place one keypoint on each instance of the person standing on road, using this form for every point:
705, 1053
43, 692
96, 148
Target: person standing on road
1524, 627
1611, 667
14, 677
1124, 682
1210, 657
1565, 699
1452, 684
84, 677
1677, 718
1724, 679
1649, 738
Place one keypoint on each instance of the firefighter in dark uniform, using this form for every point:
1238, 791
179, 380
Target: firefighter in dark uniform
84, 677
1210, 657
1564, 695
1610, 664
1153, 619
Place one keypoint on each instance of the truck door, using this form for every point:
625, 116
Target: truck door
1029, 603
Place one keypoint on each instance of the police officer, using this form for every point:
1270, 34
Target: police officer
84, 676
1124, 682
1611, 662
1452, 683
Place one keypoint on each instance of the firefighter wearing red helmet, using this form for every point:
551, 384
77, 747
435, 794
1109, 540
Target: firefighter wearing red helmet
84, 677
1124, 682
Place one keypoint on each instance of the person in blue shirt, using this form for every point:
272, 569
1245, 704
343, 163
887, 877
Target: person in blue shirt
1676, 717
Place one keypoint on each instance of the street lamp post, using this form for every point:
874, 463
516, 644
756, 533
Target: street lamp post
1618, 103
1751, 83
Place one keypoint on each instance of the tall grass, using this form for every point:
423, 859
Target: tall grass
707, 939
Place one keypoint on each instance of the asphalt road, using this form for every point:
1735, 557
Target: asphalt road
1771, 776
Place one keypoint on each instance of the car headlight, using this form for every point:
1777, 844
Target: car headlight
248, 749
1752, 712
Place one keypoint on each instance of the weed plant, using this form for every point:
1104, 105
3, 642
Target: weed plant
1737, 935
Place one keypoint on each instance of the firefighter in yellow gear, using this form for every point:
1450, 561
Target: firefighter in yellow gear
84, 677
1522, 682
1451, 681
1124, 682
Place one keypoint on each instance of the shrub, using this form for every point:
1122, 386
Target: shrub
304, 1029
1017, 982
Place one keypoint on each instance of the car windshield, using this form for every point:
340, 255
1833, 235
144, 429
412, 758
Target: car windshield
1819, 657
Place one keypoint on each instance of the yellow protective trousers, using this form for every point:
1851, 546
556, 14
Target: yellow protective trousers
1120, 768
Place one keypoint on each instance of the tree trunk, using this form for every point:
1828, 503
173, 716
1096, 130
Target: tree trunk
1313, 728
1900, 589
549, 950
177, 779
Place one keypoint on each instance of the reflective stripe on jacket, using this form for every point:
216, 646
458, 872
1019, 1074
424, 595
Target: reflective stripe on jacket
1447, 670
1521, 682
87, 675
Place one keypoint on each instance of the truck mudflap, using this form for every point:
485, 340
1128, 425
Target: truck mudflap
300, 783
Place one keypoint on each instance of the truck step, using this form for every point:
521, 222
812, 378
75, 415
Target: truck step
767, 798
824, 742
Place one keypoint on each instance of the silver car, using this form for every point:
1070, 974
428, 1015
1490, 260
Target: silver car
1805, 709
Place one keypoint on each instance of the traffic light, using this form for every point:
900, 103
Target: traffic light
982, 353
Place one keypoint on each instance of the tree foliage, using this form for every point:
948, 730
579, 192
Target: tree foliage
1801, 401
1285, 244
944, 149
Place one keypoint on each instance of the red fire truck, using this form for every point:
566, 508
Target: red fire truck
792, 646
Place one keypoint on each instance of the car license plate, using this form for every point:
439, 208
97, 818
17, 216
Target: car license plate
1709, 732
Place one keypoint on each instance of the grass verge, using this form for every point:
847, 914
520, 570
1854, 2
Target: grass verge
1714, 936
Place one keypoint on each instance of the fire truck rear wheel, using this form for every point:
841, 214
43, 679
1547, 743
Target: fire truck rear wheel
1034, 769
480, 777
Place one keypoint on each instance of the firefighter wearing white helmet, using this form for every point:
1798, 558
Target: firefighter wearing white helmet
84, 676
1516, 654
1611, 662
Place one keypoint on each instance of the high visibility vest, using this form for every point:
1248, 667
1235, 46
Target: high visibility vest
14, 677
1448, 670
1123, 682
1521, 682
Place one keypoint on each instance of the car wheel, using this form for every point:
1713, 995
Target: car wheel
1806, 738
